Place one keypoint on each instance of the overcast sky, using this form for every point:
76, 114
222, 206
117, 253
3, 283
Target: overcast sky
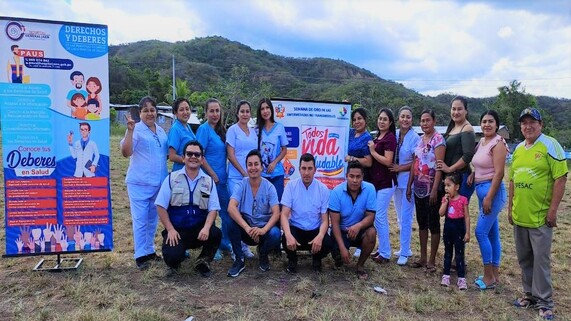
461, 47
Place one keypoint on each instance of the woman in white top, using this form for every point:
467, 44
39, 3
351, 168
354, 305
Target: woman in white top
145, 143
407, 139
240, 140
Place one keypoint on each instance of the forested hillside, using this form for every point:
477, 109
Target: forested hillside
231, 71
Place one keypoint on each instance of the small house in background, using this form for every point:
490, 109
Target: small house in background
165, 116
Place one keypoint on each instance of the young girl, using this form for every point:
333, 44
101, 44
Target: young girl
456, 228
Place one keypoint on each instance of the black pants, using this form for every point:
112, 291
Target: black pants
174, 255
454, 232
304, 237
427, 215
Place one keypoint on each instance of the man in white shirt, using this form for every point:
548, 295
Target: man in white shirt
304, 216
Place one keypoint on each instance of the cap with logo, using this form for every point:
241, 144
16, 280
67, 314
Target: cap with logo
532, 112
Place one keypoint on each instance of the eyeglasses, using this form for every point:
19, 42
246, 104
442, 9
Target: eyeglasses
195, 154
157, 140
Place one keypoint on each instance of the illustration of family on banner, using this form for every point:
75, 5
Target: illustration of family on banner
54, 106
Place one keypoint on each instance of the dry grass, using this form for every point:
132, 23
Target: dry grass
109, 287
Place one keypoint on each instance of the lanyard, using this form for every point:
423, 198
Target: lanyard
191, 193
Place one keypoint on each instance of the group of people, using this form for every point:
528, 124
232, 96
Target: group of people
238, 175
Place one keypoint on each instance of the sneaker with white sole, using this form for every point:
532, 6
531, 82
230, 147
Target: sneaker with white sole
445, 280
237, 267
402, 260
462, 284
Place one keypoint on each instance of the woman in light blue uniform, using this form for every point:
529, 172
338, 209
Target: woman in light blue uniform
240, 140
180, 132
272, 144
212, 137
146, 144
407, 139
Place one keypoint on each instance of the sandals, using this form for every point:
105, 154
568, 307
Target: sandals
546, 314
430, 269
482, 285
524, 303
362, 275
416, 265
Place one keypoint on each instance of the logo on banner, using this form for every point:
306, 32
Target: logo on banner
280, 111
343, 111
324, 143
15, 30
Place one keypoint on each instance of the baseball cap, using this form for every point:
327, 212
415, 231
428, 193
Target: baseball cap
529, 111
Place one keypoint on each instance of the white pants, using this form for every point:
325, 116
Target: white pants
405, 215
145, 217
382, 221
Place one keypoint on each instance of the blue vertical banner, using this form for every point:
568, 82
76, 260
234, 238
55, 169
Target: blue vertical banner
54, 108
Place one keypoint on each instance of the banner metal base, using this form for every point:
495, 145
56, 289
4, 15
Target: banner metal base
60, 265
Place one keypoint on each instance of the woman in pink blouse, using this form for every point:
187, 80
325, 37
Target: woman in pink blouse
489, 162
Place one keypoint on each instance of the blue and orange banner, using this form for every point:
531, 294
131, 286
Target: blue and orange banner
318, 128
54, 107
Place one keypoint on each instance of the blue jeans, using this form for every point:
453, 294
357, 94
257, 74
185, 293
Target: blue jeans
487, 229
465, 189
224, 198
267, 242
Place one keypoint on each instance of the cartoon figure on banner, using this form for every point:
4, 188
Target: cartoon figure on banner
94, 105
289, 169
267, 149
84, 151
280, 111
79, 106
15, 68
77, 80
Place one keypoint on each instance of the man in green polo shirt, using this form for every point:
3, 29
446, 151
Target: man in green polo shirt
537, 183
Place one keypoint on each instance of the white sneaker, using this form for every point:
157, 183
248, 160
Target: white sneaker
246, 250
357, 252
397, 253
402, 260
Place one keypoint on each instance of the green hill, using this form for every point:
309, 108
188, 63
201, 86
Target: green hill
231, 71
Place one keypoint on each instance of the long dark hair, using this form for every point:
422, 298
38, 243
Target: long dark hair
219, 127
464, 102
389, 113
260, 120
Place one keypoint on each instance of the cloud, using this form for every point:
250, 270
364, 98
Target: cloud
505, 32
469, 47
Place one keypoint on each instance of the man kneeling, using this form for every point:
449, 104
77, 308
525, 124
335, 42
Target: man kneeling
254, 209
187, 204
352, 213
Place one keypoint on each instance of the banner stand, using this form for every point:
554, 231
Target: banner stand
61, 265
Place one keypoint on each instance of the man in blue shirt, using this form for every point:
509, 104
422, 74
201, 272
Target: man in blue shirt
254, 209
352, 213
304, 216
187, 204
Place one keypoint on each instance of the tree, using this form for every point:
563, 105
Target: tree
512, 99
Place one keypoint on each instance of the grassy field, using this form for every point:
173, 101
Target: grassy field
108, 286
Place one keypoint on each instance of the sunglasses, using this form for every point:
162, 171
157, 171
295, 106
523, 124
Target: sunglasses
195, 154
